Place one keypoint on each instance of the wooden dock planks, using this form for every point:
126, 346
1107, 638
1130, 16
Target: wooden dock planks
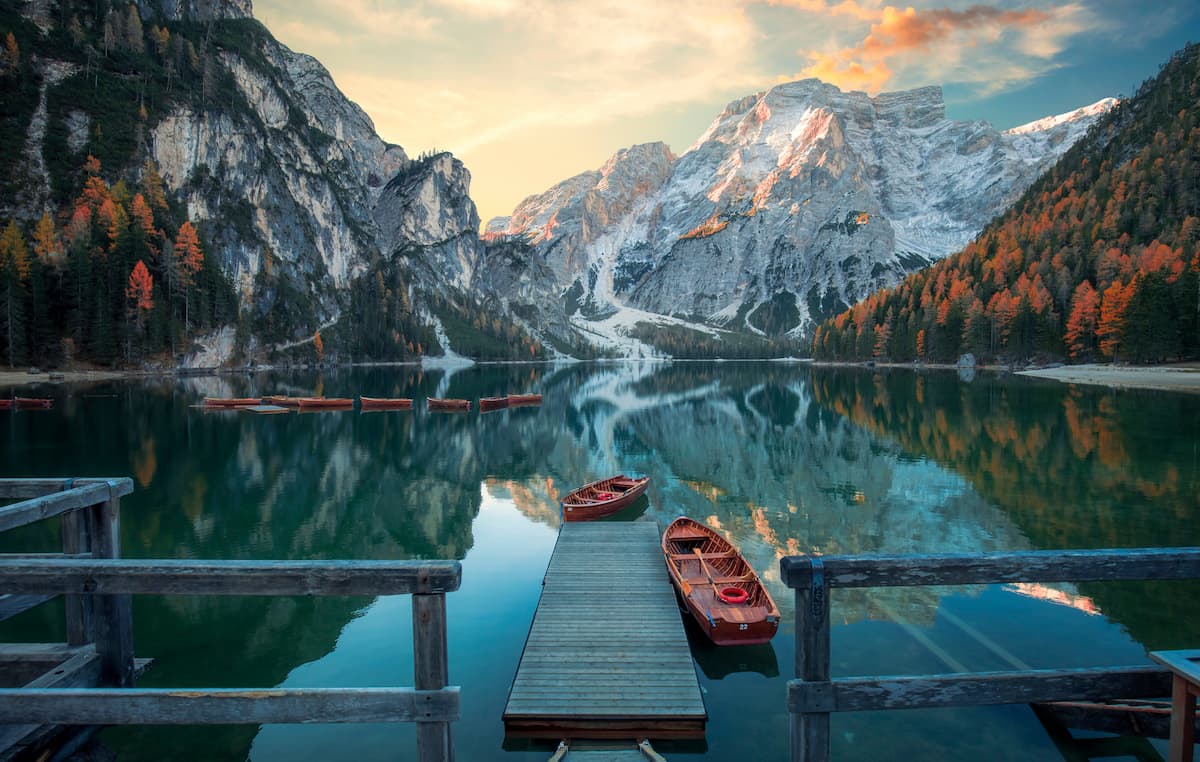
606, 655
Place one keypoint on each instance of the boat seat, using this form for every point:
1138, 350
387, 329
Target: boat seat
705, 556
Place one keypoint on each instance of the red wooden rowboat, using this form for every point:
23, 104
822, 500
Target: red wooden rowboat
231, 401
524, 399
603, 498
385, 403
721, 590
282, 401
42, 403
492, 403
447, 404
311, 402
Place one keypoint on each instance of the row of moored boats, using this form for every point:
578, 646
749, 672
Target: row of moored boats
718, 586
27, 403
371, 403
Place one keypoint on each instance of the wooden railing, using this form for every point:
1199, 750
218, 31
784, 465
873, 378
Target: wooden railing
814, 695
90, 678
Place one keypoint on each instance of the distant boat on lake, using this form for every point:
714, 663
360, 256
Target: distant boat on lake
492, 403
721, 590
385, 403
231, 401
524, 399
327, 402
447, 404
603, 498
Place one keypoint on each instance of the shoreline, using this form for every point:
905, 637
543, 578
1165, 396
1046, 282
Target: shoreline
1182, 377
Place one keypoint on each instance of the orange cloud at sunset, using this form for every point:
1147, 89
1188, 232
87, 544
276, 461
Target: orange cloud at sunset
896, 32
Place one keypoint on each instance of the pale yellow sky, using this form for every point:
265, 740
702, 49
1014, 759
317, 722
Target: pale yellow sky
530, 92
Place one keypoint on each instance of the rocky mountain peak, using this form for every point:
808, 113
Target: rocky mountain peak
801, 197
198, 10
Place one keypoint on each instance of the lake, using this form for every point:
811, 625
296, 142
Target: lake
781, 458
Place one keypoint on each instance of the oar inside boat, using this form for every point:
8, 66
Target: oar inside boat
730, 595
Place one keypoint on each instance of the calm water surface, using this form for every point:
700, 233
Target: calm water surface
781, 458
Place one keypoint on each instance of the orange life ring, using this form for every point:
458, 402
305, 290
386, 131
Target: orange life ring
733, 595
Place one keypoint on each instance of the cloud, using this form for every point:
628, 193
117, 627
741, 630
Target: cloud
989, 47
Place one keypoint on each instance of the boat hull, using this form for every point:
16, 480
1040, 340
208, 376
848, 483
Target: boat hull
447, 404
603, 498
385, 403
719, 588
231, 401
311, 402
524, 399
492, 403
33, 403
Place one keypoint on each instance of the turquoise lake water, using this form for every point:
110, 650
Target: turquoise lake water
781, 458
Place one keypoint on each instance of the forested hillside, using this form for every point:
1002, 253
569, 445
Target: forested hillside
1098, 260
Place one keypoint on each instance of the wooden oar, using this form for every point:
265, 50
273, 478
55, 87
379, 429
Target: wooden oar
707, 573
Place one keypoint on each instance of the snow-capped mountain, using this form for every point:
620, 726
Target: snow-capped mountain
794, 202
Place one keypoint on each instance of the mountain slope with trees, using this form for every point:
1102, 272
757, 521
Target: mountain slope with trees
1098, 260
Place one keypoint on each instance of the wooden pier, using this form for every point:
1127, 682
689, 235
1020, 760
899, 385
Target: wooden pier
53, 696
607, 655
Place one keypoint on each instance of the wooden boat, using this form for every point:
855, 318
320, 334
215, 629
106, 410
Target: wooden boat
721, 590
492, 403
524, 399
6, 404
231, 401
282, 401
36, 403
447, 404
603, 498
385, 403
314, 402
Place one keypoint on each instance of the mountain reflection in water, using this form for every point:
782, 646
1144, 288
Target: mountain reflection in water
780, 458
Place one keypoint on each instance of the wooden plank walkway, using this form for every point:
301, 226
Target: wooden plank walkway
606, 656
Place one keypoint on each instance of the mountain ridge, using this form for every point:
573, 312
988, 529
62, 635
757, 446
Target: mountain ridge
754, 175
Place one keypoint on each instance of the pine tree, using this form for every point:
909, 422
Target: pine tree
14, 272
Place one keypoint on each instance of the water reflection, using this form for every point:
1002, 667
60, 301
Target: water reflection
782, 459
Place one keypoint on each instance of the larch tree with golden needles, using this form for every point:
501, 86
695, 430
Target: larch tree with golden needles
139, 293
187, 261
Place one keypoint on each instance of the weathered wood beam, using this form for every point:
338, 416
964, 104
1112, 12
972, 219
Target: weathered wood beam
146, 706
54, 504
185, 577
1145, 719
20, 489
989, 568
859, 694
11, 605
431, 670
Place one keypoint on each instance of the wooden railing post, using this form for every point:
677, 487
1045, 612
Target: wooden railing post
809, 731
431, 672
76, 536
113, 614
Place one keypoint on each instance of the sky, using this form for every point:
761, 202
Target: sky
530, 92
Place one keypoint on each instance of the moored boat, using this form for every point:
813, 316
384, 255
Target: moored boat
311, 402
385, 403
231, 401
447, 404
492, 403
32, 403
524, 399
282, 401
6, 404
723, 593
603, 498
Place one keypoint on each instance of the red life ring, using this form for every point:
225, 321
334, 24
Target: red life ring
733, 595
